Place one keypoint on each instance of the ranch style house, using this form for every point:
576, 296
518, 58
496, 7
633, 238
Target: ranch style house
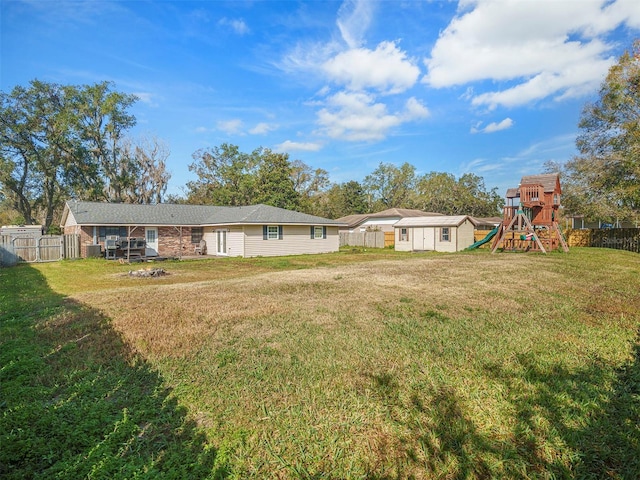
170, 230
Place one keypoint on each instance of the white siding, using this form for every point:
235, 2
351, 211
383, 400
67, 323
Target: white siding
235, 242
210, 237
296, 240
445, 246
403, 246
383, 224
465, 235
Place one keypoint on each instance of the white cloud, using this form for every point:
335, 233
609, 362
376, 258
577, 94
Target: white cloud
386, 69
354, 18
289, 146
238, 25
146, 97
356, 116
493, 127
541, 50
415, 110
230, 127
577, 80
262, 128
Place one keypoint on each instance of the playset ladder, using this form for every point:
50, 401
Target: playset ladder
528, 228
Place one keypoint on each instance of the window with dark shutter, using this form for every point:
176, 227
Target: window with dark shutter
272, 232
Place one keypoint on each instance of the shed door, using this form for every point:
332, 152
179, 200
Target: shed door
430, 238
151, 236
418, 239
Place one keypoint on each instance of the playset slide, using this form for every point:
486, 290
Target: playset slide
489, 236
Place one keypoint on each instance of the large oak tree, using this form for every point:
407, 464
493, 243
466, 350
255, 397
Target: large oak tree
61, 141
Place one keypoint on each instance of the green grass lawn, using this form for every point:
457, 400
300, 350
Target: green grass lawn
359, 364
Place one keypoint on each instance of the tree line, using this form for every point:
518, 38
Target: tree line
227, 176
66, 141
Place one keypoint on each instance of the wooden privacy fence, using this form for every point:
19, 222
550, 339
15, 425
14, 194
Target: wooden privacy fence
618, 238
376, 239
47, 248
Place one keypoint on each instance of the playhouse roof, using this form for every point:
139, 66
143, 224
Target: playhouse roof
550, 183
548, 180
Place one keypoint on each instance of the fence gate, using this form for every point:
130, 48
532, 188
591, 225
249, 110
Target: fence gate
47, 248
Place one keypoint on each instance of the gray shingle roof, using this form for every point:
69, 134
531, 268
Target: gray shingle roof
98, 213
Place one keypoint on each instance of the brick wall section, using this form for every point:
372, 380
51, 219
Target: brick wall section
169, 244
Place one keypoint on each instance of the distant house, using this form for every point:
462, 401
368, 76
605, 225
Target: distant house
383, 221
486, 223
580, 222
177, 230
437, 233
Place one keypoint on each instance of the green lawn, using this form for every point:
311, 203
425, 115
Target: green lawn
359, 364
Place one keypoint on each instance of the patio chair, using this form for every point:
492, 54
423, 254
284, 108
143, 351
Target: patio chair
201, 248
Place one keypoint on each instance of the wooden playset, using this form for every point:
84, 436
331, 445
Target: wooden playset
530, 218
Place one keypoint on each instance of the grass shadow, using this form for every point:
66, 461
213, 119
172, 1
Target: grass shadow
77, 402
610, 443
579, 423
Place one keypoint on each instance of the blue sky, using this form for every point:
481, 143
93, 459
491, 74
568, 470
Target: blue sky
490, 87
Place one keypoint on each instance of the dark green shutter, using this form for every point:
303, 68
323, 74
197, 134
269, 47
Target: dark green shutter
324, 232
264, 232
279, 232
312, 232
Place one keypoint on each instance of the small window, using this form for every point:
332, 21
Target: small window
272, 232
404, 236
196, 234
318, 232
444, 234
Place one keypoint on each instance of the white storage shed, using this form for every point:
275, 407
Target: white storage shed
441, 234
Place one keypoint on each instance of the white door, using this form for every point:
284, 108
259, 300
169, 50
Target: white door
430, 238
417, 243
151, 236
221, 242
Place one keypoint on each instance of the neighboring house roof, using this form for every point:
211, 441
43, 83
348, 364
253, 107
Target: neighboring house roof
402, 212
355, 220
100, 213
437, 221
487, 220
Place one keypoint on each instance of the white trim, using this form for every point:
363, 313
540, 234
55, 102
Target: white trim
270, 232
